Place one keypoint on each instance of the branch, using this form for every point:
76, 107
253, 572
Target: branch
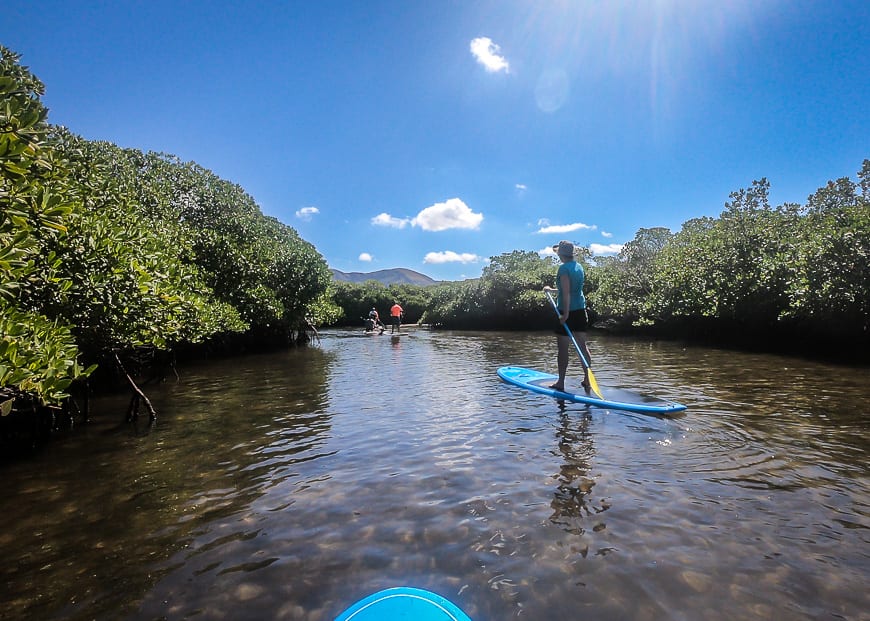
135, 388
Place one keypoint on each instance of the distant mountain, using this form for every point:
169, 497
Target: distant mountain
396, 276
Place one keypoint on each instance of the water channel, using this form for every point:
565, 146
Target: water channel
286, 486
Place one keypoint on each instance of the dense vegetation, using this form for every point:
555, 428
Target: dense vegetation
794, 277
356, 300
794, 273
106, 253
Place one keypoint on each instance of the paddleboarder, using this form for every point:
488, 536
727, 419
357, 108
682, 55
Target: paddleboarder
376, 320
571, 304
396, 313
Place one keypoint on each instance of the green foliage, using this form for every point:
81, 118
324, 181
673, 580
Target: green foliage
831, 282
624, 284
37, 355
455, 305
124, 285
323, 310
104, 248
797, 271
250, 271
680, 275
510, 289
357, 299
414, 300
508, 295
31, 213
735, 267
259, 265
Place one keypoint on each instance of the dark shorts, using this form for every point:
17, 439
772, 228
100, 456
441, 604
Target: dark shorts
396, 321
576, 321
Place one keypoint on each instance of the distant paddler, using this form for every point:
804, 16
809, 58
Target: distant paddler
396, 313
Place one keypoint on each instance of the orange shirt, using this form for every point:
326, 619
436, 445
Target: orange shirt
396, 310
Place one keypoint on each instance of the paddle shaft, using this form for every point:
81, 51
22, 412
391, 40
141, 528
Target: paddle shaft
568, 330
593, 383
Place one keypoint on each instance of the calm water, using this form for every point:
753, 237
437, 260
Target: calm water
287, 486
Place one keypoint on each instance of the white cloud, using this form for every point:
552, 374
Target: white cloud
487, 54
606, 234
565, 228
521, 187
365, 256
385, 219
448, 256
598, 249
306, 212
605, 249
451, 214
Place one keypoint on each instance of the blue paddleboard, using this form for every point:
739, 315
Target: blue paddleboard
403, 603
615, 398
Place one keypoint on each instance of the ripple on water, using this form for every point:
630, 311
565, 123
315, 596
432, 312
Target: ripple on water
286, 486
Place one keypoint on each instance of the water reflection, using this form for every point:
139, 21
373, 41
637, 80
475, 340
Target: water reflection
572, 499
286, 486
225, 435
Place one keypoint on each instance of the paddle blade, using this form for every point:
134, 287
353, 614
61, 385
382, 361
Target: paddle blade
593, 383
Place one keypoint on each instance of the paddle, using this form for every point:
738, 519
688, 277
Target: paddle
593, 383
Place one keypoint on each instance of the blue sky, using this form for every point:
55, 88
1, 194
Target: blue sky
432, 135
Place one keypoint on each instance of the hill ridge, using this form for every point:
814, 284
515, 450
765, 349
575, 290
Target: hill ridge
393, 276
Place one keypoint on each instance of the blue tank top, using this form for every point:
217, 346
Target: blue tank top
577, 277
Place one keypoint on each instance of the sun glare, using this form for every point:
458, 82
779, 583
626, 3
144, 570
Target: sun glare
583, 47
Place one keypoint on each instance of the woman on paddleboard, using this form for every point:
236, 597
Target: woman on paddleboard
571, 304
